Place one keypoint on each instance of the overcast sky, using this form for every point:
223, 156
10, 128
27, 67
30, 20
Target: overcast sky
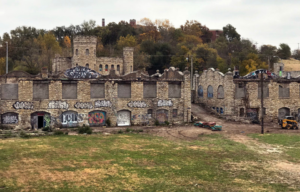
262, 21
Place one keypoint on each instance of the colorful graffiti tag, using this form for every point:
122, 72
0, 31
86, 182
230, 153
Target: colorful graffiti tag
162, 115
97, 118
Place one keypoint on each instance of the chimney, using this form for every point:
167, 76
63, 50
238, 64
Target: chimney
103, 22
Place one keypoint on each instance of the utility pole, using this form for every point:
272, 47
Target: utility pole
191, 72
262, 103
6, 57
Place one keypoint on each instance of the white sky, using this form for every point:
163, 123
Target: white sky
262, 21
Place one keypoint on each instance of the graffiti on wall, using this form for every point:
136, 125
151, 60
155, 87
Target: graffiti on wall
164, 103
97, 118
102, 103
80, 72
137, 104
69, 118
123, 118
162, 115
23, 105
252, 114
80, 105
58, 105
9, 118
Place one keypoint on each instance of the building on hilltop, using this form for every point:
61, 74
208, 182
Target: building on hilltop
215, 34
84, 54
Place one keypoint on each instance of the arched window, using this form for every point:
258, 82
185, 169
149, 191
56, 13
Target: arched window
220, 92
100, 67
76, 64
118, 67
87, 52
200, 91
210, 92
112, 67
87, 65
76, 52
106, 67
130, 68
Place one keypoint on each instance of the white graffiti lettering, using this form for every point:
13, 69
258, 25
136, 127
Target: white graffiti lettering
23, 105
165, 103
80, 105
80, 72
10, 119
102, 103
137, 104
58, 105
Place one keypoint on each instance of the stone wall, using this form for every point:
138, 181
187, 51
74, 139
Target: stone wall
142, 110
110, 63
232, 103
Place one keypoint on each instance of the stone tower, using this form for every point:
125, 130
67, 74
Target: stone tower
128, 59
84, 51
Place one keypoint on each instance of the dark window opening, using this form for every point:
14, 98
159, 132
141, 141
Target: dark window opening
106, 67
87, 65
175, 112
241, 85
112, 67
76, 52
118, 67
100, 67
242, 112
150, 111
87, 52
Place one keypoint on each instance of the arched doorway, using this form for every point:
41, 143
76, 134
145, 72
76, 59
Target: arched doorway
40, 119
162, 115
282, 112
97, 118
123, 118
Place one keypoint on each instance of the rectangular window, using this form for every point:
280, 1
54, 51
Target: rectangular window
124, 90
175, 90
175, 111
240, 90
9, 91
149, 90
69, 89
87, 52
284, 90
97, 90
265, 90
40, 90
150, 111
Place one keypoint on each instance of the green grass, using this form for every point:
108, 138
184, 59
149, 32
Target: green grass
290, 143
130, 162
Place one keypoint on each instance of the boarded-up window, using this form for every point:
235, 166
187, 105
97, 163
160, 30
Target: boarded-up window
282, 112
220, 92
40, 90
210, 92
149, 90
284, 90
124, 90
69, 90
118, 67
10, 118
265, 90
9, 91
97, 90
174, 90
240, 90
200, 91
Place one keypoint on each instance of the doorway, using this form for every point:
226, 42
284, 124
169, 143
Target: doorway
40, 121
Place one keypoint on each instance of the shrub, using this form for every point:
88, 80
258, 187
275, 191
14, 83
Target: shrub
167, 122
84, 129
156, 123
24, 135
141, 130
45, 129
120, 131
129, 130
108, 122
58, 132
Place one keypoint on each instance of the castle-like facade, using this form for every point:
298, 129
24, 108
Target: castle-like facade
84, 54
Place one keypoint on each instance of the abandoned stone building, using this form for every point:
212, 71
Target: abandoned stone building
84, 54
240, 99
80, 95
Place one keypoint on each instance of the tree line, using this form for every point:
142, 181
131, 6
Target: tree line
158, 45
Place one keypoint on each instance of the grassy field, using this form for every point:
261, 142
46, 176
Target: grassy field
134, 162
